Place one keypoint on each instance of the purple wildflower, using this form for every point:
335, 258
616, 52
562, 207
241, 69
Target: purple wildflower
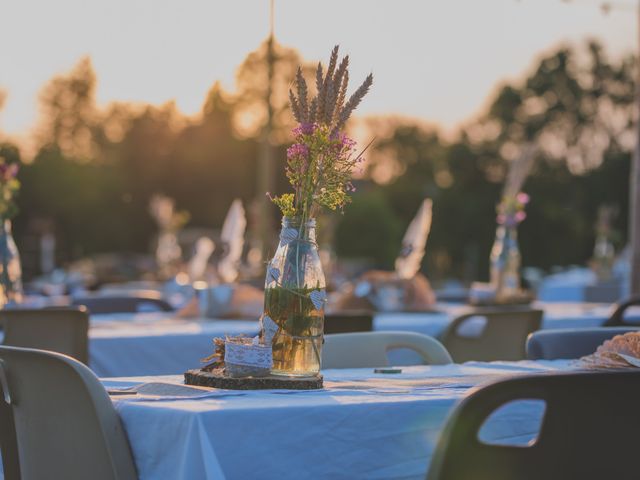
304, 129
297, 150
347, 142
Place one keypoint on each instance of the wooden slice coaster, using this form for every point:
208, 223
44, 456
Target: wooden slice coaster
217, 379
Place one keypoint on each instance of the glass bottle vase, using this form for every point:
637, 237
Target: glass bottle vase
10, 267
505, 263
295, 298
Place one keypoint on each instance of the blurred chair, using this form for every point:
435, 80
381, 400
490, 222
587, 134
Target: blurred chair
63, 330
66, 424
148, 302
348, 321
603, 292
617, 317
128, 288
369, 349
589, 430
501, 334
570, 343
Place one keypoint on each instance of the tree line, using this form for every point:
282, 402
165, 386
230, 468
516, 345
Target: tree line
95, 168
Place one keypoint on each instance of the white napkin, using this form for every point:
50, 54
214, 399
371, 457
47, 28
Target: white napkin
414, 242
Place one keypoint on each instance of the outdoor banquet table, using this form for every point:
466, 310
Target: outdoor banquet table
161, 344
361, 425
556, 315
582, 285
155, 343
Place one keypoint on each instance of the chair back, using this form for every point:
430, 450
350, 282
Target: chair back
369, 349
589, 430
65, 422
348, 321
97, 304
502, 335
570, 343
62, 330
617, 317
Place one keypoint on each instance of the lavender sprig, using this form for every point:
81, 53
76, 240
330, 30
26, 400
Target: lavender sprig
328, 107
322, 159
353, 102
302, 96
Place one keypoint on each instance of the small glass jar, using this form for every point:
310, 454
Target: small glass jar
295, 298
505, 263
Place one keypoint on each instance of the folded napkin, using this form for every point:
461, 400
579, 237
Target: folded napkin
385, 291
166, 391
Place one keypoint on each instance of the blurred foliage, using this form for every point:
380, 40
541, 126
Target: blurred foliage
369, 230
96, 167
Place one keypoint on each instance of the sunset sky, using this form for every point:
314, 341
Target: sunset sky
434, 59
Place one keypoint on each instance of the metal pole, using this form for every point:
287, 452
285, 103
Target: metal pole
634, 191
265, 162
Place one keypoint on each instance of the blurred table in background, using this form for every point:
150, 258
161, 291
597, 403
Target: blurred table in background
556, 315
581, 285
155, 343
160, 343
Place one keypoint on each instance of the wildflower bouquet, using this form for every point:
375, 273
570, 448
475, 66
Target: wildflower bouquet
505, 253
9, 184
319, 168
322, 159
511, 210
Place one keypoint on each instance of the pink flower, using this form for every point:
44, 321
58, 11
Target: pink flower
523, 198
520, 216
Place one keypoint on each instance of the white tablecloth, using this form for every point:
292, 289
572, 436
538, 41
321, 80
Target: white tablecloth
581, 284
155, 343
362, 425
160, 344
556, 315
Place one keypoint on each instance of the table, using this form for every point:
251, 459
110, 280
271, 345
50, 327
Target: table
362, 425
155, 343
161, 344
556, 315
582, 285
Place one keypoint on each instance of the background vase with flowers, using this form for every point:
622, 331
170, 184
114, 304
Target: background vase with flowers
319, 168
505, 254
10, 266
170, 221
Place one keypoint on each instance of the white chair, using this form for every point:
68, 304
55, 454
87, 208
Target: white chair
369, 349
62, 330
65, 422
